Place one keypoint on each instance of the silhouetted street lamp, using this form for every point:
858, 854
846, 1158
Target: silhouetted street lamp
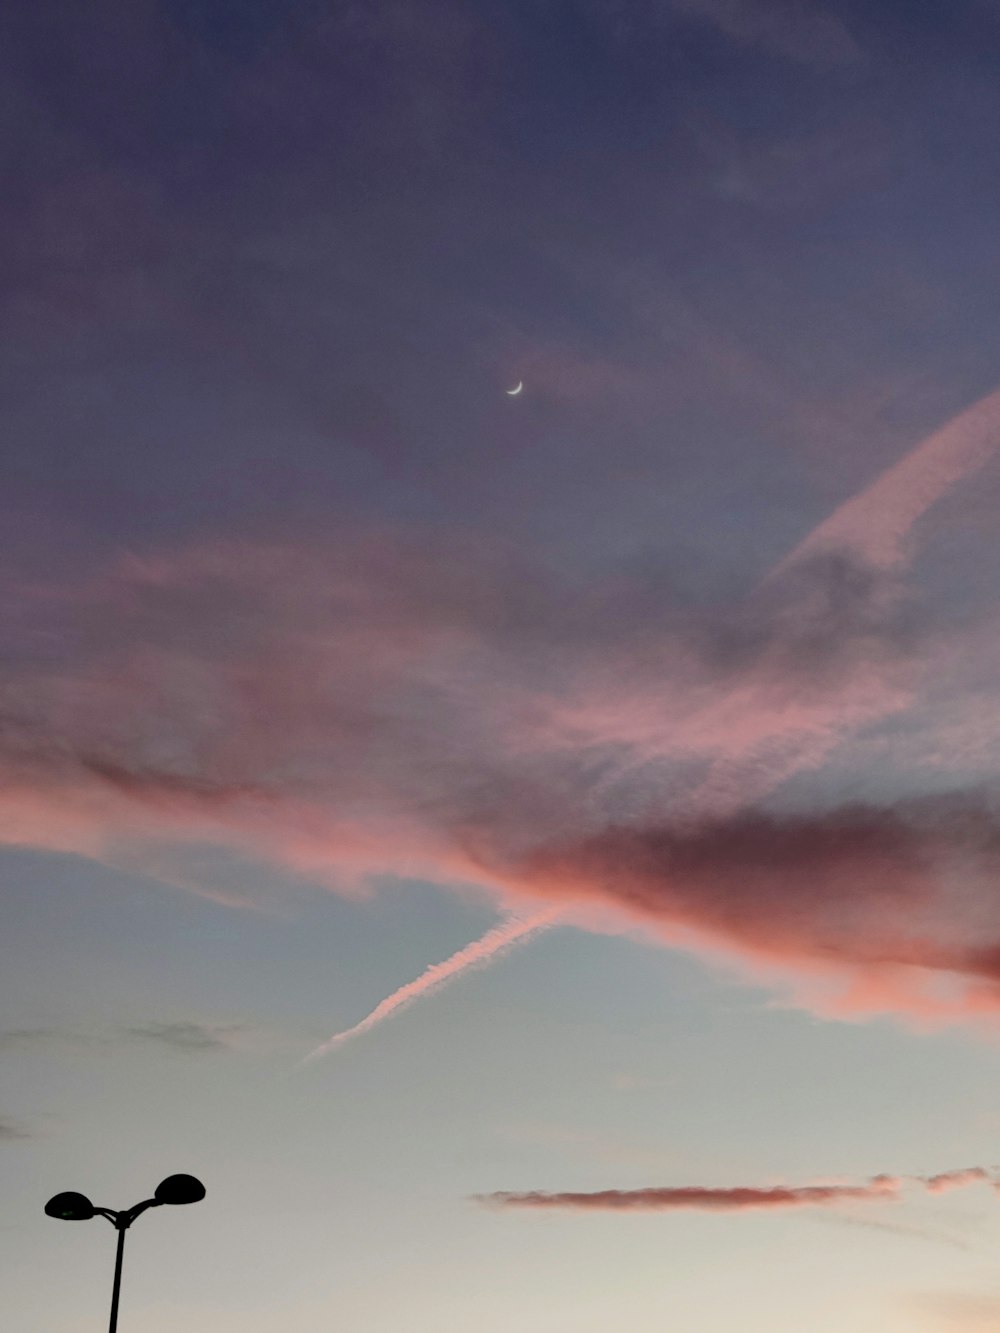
73, 1207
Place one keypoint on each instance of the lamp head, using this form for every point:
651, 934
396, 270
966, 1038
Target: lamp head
179, 1189
70, 1207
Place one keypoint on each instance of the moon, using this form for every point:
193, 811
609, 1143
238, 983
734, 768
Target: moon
512, 393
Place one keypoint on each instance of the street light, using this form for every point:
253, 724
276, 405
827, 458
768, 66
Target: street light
73, 1207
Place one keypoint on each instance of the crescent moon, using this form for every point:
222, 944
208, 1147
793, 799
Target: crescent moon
512, 393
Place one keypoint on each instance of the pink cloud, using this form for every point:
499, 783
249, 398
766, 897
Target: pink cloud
418, 704
738, 1200
734, 1199
953, 1180
851, 906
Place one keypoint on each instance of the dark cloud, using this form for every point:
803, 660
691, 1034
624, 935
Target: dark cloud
185, 1036
189, 1038
864, 886
14, 1131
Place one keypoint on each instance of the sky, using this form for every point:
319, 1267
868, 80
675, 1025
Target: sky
531, 854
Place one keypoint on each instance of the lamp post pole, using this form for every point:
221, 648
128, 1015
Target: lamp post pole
122, 1221
73, 1207
115, 1290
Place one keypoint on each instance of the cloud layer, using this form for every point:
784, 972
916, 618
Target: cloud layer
423, 702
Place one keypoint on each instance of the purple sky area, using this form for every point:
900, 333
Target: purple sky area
648, 714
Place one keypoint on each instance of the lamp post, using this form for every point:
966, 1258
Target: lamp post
73, 1207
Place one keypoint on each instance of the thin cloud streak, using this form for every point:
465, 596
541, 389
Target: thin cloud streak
183, 1036
877, 522
14, 1131
880, 1189
190, 1038
700, 1198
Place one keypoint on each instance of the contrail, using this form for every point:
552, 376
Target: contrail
877, 521
497, 941
874, 524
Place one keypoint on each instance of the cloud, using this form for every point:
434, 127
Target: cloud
388, 676
427, 703
700, 1198
27, 1039
190, 1038
878, 523
959, 1312
864, 894
13, 1131
952, 1180
880, 1189
797, 30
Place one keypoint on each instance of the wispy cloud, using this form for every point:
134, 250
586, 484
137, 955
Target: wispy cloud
955, 1180
28, 1039
13, 1131
191, 1038
186, 1037
799, 30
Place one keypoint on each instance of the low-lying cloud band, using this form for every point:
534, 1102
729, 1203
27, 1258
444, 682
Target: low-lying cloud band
736, 1199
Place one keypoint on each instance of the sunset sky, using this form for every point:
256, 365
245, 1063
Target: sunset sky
534, 856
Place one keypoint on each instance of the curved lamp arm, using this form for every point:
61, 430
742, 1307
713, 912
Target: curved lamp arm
123, 1219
